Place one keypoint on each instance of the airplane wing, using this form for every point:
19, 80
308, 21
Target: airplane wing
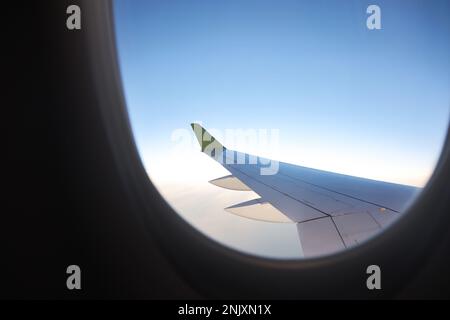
332, 211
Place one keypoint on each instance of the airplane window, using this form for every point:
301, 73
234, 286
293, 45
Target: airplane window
287, 129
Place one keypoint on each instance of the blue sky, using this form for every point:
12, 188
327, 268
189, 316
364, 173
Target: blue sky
344, 98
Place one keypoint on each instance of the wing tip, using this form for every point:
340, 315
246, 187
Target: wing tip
204, 138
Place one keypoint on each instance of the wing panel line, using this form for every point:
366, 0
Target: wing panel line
283, 193
331, 190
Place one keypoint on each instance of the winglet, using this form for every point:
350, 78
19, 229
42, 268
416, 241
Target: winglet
204, 137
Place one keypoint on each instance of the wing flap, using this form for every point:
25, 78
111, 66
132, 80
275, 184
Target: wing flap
319, 237
356, 227
230, 182
258, 209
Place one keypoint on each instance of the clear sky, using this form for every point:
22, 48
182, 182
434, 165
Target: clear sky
344, 98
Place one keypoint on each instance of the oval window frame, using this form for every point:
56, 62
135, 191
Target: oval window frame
221, 272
